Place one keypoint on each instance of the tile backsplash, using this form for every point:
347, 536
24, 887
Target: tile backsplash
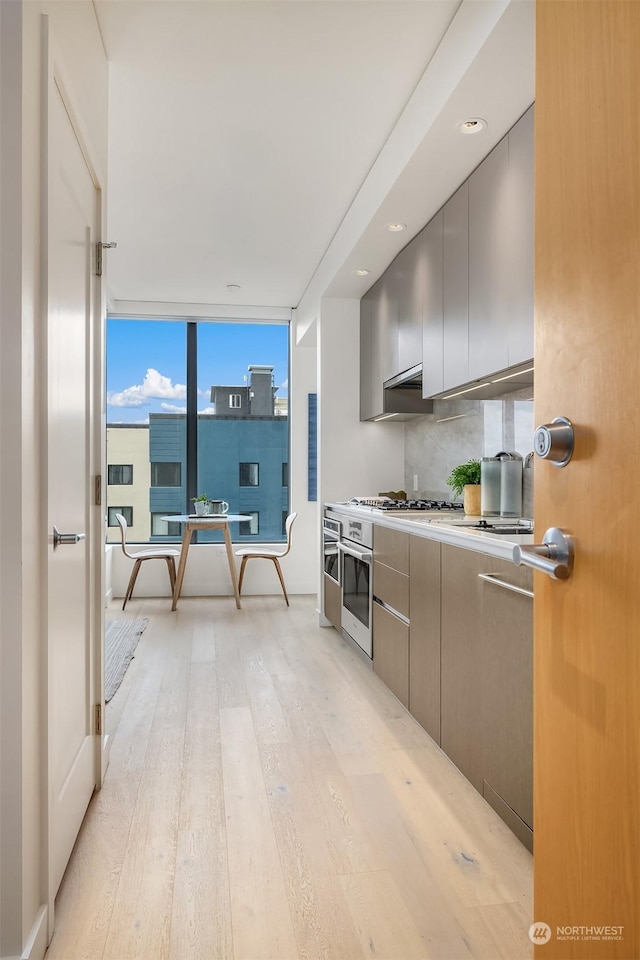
459, 430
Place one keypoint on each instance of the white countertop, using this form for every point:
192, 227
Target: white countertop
433, 526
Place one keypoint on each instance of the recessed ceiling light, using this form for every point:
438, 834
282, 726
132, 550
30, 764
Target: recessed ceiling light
233, 286
362, 273
472, 125
396, 227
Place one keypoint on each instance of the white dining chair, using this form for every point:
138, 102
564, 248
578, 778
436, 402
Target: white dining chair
168, 555
250, 553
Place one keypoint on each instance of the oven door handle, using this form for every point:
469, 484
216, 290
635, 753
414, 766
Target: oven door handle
365, 557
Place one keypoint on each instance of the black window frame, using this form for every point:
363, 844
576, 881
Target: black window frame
112, 467
242, 526
174, 534
248, 463
123, 510
154, 464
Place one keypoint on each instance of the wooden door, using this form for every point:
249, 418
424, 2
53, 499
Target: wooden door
72, 215
587, 629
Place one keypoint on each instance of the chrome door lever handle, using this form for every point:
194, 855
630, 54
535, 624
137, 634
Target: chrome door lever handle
554, 556
59, 539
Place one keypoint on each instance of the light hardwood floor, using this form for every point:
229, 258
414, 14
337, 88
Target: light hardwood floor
267, 797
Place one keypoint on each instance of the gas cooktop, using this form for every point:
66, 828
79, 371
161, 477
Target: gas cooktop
420, 505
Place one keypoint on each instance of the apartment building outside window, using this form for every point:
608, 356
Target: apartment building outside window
192, 414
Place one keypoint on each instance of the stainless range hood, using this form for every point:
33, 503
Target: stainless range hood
403, 396
403, 393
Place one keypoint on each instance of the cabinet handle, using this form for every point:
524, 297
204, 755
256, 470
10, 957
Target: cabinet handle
493, 578
392, 610
366, 556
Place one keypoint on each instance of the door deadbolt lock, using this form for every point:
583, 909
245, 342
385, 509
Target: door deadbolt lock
554, 441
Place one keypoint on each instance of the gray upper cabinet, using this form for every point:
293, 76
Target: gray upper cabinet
520, 240
378, 345
501, 243
459, 297
489, 264
367, 387
407, 276
456, 289
432, 330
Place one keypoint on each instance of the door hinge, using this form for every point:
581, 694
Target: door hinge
97, 490
97, 715
99, 248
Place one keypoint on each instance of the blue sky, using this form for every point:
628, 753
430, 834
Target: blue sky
146, 363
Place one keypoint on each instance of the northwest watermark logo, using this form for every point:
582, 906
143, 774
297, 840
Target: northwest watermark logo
540, 933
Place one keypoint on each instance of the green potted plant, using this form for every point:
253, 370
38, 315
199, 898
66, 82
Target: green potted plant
465, 479
201, 504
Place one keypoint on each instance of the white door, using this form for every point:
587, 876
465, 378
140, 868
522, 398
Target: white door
72, 213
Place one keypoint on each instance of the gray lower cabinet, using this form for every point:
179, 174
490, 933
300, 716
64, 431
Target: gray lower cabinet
332, 602
487, 681
453, 640
506, 679
391, 652
461, 653
391, 548
390, 622
424, 634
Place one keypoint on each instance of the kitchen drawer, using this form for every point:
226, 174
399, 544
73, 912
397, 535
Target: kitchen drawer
424, 635
391, 547
332, 602
391, 652
391, 587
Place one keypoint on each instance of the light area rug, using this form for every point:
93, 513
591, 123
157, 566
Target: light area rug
120, 641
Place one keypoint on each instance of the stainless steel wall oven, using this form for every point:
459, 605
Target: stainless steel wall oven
356, 574
331, 527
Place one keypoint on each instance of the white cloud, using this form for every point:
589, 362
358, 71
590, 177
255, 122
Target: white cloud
208, 410
285, 384
204, 393
154, 386
173, 408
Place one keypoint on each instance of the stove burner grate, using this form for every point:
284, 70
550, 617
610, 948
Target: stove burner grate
421, 505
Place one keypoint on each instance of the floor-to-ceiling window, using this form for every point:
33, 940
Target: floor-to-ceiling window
197, 408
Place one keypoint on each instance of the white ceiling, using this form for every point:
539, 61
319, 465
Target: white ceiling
267, 144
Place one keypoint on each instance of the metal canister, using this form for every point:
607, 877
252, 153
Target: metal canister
511, 486
490, 486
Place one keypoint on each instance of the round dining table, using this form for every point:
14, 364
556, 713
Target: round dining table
217, 521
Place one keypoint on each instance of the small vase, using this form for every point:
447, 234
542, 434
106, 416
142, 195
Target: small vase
471, 499
202, 508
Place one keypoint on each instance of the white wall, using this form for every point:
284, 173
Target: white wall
355, 459
74, 28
